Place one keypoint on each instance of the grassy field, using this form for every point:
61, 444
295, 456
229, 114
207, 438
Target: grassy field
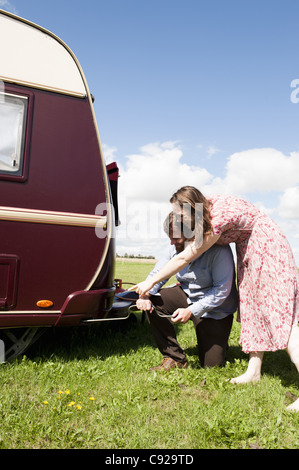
90, 388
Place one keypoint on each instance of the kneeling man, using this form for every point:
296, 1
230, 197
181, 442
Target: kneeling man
206, 294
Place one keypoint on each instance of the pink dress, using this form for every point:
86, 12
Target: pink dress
268, 279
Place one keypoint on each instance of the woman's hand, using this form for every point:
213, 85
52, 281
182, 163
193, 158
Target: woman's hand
143, 287
181, 315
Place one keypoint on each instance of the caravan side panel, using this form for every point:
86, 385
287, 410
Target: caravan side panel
52, 178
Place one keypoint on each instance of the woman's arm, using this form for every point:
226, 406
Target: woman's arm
176, 264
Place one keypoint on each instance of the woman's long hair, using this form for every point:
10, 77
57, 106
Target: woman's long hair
195, 210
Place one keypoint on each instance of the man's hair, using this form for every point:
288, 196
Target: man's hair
175, 226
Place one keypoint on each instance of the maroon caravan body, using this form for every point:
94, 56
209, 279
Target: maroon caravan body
56, 214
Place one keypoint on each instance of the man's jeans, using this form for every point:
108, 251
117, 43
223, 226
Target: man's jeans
212, 335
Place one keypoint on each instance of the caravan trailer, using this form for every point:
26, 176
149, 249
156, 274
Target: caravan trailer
58, 204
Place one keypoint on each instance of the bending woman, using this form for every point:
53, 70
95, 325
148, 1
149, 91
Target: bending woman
268, 280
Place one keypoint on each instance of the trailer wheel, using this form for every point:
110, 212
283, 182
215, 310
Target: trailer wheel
17, 340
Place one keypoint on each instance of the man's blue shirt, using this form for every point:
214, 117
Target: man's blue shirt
209, 282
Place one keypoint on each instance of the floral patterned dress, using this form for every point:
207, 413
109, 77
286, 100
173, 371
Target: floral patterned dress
268, 279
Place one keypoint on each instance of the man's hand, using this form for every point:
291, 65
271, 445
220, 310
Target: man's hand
144, 304
181, 315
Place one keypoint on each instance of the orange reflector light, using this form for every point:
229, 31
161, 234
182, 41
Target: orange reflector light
44, 303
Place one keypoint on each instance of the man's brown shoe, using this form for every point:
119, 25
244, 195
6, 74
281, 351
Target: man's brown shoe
168, 363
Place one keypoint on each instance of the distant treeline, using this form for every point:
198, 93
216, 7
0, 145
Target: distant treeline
134, 256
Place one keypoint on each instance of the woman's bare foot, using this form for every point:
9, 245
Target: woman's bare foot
246, 378
294, 406
293, 350
253, 373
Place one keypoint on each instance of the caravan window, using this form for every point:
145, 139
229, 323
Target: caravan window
13, 115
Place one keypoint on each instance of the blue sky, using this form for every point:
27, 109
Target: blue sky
189, 92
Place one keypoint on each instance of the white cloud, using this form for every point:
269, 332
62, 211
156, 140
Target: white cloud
289, 203
6, 5
212, 151
149, 178
264, 169
267, 210
109, 153
157, 171
146, 183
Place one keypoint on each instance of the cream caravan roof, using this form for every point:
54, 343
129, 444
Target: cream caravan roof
34, 57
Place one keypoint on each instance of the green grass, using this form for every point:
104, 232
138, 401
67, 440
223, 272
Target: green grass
132, 408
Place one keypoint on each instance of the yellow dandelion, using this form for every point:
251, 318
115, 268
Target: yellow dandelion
67, 392
46, 402
60, 392
78, 407
91, 398
72, 403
